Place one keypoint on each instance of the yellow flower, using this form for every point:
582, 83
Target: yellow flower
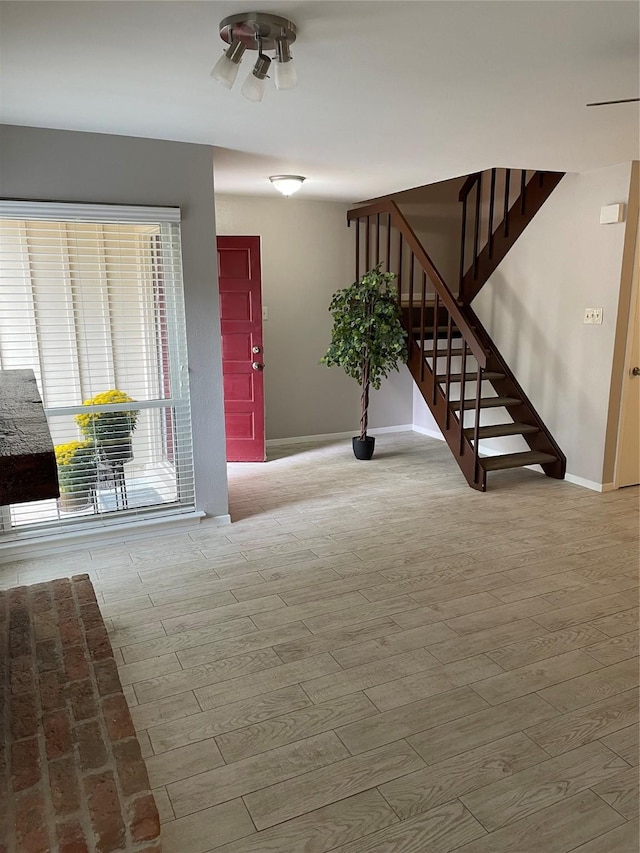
77, 465
65, 453
106, 425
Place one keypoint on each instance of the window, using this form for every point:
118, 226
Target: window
91, 299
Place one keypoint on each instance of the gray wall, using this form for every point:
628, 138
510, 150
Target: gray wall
53, 165
307, 254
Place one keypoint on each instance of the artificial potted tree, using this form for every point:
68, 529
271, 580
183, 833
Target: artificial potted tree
367, 340
111, 431
77, 474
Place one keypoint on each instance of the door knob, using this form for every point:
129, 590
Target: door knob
635, 371
255, 349
257, 365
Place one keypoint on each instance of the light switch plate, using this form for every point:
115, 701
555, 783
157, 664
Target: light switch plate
593, 316
611, 213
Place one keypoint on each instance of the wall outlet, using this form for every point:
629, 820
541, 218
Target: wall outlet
593, 316
265, 313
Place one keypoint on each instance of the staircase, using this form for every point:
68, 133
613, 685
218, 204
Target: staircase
470, 390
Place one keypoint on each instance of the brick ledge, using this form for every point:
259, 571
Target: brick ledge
72, 774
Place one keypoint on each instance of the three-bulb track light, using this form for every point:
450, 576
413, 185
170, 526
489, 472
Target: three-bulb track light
262, 32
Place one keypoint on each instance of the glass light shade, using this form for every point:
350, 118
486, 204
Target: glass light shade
287, 184
225, 71
286, 77
253, 88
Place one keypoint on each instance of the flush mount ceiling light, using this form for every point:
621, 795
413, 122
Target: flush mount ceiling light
257, 31
287, 184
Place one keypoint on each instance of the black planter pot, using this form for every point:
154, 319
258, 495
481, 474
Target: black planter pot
363, 447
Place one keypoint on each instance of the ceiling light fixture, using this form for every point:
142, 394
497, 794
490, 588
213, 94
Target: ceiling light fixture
287, 184
254, 86
225, 70
257, 31
286, 77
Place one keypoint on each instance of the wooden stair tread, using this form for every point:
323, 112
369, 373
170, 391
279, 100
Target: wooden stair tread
487, 403
442, 331
429, 302
442, 353
498, 430
515, 460
470, 377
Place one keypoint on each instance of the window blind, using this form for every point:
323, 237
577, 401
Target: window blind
91, 298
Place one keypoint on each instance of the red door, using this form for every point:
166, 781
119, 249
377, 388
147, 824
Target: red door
242, 360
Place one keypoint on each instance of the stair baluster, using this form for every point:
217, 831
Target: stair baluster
476, 425
400, 270
412, 259
448, 379
367, 250
436, 332
476, 224
507, 189
492, 201
388, 241
423, 305
463, 380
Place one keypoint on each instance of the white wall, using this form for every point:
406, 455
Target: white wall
422, 418
533, 307
307, 254
54, 165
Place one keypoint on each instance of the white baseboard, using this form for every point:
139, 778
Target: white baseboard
589, 484
306, 439
329, 436
432, 433
52, 542
217, 520
384, 430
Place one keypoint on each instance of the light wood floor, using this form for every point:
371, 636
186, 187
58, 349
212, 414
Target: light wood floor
376, 659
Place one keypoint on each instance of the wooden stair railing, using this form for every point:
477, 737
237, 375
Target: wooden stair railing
450, 355
516, 195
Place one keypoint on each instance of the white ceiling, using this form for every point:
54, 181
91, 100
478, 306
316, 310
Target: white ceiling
391, 95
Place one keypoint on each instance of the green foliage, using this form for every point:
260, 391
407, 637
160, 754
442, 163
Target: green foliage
368, 340
77, 465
